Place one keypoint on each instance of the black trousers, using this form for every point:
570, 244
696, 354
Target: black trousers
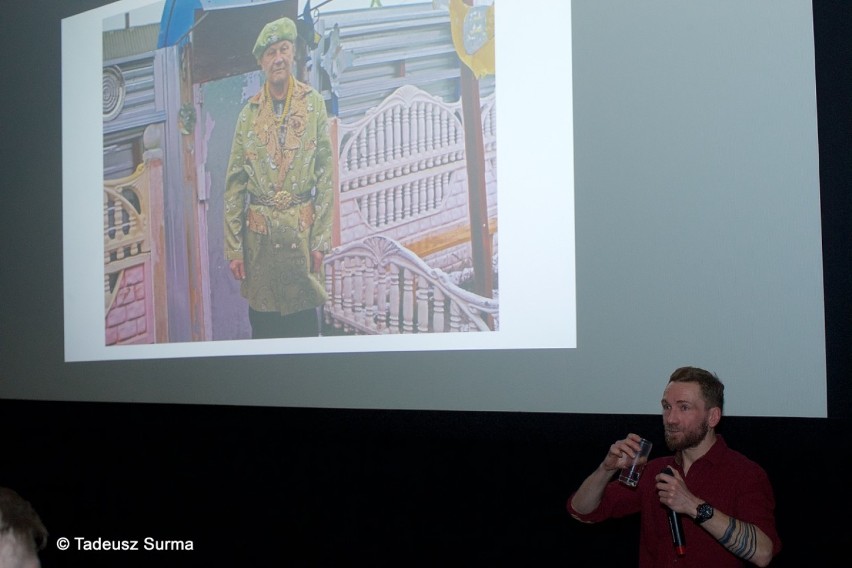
265, 325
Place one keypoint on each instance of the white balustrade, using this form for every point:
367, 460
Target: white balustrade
377, 286
397, 162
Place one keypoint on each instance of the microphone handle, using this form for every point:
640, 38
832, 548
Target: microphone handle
677, 533
676, 526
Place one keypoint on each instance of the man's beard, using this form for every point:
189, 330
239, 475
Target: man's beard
279, 80
690, 439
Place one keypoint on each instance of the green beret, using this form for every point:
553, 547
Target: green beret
273, 32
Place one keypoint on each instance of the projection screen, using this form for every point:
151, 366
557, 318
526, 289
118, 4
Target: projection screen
659, 206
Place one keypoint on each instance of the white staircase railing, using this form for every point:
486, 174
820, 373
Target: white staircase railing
377, 286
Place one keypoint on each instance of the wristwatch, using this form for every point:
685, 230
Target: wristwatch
704, 512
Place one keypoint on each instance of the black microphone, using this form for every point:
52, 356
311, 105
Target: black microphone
678, 539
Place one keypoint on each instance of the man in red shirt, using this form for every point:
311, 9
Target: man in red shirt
724, 500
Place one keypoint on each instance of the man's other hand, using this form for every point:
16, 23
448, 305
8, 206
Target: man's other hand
238, 269
316, 260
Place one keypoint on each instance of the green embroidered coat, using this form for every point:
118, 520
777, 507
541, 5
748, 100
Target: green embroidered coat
278, 200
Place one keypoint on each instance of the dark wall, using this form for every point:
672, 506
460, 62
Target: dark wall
266, 486
833, 64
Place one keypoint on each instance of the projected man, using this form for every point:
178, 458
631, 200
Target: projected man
724, 501
22, 534
278, 194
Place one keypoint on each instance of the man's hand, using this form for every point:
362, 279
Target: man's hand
675, 495
587, 498
238, 269
316, 261
621, 453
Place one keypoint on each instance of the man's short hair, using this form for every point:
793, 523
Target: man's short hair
20, 521
712, 389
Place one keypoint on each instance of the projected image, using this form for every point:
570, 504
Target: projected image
340, 197
298, 176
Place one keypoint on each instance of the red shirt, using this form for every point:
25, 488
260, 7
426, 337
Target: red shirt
724, 478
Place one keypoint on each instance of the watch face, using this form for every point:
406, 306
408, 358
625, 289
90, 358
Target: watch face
705, 512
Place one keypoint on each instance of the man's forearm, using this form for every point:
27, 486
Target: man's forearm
589, 495
745, 540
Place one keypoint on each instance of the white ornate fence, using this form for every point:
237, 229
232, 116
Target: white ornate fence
403, 183
402, 167
377, 286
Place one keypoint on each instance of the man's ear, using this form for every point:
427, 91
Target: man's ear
715, 416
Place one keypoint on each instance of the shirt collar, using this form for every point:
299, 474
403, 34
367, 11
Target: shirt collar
713, 455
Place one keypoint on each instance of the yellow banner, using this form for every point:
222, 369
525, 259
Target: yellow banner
473, 36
